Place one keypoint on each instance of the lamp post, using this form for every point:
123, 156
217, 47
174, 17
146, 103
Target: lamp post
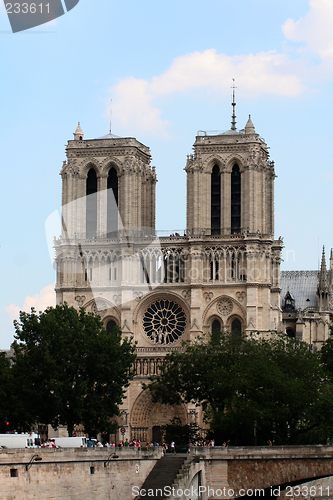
110, 457
34, 458
255, 432
274, 432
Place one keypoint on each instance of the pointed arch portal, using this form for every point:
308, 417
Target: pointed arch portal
147, 417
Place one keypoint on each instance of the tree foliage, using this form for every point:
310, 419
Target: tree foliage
5, 392
326, 355
181, 434
69, 370
276, 382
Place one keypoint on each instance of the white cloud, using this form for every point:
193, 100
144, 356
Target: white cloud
133, 104
272, 72
314, 29
262, 73
40, 301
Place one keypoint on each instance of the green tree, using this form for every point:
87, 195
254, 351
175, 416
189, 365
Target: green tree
5, 393
181, 434
69, 370
277, 382
326, 354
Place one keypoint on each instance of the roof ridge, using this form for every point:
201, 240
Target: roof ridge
295, 273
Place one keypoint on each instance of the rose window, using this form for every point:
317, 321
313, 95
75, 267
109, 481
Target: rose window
164, 322
225, 306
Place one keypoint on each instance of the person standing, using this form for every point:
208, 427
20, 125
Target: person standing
173, 447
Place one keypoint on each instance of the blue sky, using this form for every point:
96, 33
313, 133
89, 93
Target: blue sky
168, 67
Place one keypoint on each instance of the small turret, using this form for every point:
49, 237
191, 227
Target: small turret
323, 271
322, 289
78, 134
249, 127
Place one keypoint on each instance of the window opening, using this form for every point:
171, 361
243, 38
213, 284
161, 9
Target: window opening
216, 331
110, 325
112, 203
217, 268
91, 204
236, 327
235, 200
216, 200
291, 333
216, 326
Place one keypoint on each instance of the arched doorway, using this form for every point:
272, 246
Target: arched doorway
147, 418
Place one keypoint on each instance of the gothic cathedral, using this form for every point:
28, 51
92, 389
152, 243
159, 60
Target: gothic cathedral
222, 272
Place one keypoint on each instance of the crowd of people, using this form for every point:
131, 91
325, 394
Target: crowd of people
50, 443
95, 443
166, 447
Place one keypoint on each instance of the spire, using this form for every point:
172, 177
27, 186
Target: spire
249, 127
323, 272
233, 104
322, 289
323, 263
78, 134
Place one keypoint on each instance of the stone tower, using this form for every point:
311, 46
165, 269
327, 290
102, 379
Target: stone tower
230, 214
108, 194
230, 184
108, 185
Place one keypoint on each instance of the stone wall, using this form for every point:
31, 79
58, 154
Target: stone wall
70, 474
236, 471
74, 473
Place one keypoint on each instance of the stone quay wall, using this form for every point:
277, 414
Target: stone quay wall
238, 471
74, 473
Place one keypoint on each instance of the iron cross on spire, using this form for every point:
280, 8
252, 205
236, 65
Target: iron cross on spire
233, 104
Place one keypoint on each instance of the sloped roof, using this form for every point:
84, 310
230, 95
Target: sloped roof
302, 285
109, 136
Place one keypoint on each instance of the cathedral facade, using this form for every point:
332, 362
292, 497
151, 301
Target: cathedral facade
221, 272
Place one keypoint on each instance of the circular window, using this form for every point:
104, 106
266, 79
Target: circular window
225, 307
164, 322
